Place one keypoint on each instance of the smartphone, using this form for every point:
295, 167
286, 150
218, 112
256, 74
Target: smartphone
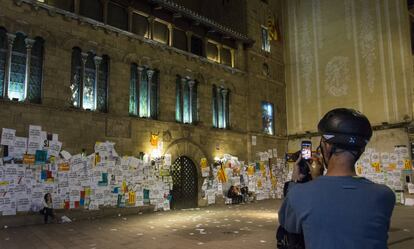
306, 150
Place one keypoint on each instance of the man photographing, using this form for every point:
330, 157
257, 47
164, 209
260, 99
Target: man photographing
340, 210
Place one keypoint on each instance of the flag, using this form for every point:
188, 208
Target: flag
272, 28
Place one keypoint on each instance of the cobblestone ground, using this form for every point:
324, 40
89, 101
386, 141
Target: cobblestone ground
237, 226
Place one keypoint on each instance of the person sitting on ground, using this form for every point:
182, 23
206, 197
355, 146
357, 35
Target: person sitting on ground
340, 210
235, 195
48, 207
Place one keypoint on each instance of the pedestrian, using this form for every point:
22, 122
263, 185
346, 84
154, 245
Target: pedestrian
48, 207
340, 210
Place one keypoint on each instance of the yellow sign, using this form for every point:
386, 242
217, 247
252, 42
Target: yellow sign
377, 167
154, 139
131, 199
407, 164
28, 159
203, 163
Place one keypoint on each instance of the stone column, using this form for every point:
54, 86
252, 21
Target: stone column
232, 57
77, 6
151, 27
105, 10
239, 58
130, 13
224, 94
189, 34
10, 41
82, 82
219, 107
137, 87
29, 44
219, 46
171, 34
183, 83
98, 61
150, 73
191, 84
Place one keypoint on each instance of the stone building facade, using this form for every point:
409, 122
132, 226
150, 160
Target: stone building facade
251, 75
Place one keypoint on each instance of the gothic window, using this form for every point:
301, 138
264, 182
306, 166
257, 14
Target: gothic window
36, 71
144, 92
267, 117
117, 16
16, 88
3, 56
186, 108
92, 9
221, 99
265, 39
89, 80
21, 65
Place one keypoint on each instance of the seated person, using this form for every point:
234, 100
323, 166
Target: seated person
235, 195
48, 207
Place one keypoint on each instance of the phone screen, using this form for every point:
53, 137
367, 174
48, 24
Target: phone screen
306, 150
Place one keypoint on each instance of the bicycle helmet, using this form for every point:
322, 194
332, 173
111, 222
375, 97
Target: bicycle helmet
346, 129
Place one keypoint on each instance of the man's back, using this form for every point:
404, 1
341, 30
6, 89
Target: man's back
339, 212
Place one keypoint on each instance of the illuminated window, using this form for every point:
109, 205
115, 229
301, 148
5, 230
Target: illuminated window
186, 107
89, 80
221, 105
267, 118
265, 39
21, 79
144, 95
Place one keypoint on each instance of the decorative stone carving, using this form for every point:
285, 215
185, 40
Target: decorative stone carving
337, 76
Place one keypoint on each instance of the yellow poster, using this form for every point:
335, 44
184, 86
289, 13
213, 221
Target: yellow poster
154, 139
377, 167
131, 199
407, 164
203, 163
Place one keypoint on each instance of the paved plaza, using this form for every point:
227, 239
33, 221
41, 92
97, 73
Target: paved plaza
236, 226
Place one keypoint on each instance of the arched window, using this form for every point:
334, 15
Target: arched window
76, 76
36, 71
3, 55
144, 92
21, 67
186, 100
92, 9
89, 83
16, 88
133, 93
89, 80
221, 107
102, 98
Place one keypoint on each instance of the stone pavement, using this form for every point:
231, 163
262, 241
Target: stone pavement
236, 226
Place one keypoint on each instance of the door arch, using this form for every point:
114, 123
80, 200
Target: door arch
185, 183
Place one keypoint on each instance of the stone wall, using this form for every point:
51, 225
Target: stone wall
347, 53
80, 129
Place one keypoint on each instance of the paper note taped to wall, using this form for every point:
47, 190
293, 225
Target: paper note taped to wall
7, 137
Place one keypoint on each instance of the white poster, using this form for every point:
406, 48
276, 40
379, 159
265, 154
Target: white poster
7, 137
34, 142
254, 138
19, 148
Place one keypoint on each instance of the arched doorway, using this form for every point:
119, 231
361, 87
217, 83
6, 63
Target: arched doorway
185, 181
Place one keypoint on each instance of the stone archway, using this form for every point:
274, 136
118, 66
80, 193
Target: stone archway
186, 147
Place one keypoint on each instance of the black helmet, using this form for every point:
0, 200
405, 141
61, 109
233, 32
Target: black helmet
345, 128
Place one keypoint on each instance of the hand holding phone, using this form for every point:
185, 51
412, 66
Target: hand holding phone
306, 150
